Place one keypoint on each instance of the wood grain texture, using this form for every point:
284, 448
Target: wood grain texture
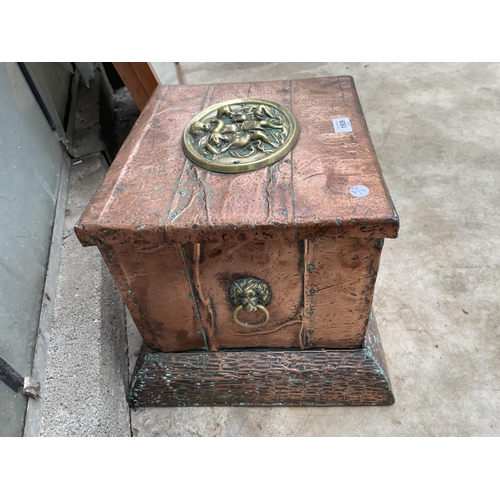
140, 79
151, 184
264, 378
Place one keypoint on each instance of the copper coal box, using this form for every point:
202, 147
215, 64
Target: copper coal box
243, 225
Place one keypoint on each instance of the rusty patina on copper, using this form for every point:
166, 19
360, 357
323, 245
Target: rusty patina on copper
175, 236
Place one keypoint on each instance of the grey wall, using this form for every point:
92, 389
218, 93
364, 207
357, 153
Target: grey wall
31, 159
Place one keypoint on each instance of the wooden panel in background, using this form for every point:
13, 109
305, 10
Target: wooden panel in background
140, 79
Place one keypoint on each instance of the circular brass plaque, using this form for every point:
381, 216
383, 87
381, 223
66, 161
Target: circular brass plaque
240, 135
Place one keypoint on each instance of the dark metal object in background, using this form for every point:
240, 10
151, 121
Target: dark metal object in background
51, 84
10, 376
27, 386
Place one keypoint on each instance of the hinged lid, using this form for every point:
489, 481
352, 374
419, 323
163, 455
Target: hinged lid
330, 184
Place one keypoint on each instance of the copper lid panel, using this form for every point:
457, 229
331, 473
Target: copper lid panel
154, 194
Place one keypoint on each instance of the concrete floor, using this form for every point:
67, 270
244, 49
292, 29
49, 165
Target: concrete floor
435, 130
437, 300
84, 390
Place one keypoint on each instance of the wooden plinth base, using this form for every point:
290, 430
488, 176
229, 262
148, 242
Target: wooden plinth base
264, 378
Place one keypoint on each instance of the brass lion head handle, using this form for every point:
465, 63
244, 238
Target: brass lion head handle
250, 294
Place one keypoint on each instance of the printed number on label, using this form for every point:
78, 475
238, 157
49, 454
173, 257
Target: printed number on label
342, 125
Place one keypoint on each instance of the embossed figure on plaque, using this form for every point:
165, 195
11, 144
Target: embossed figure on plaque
240, 135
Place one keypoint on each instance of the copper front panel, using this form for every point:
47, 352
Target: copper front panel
322, 292
279, 264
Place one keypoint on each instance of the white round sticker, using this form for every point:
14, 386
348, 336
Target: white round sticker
359, 191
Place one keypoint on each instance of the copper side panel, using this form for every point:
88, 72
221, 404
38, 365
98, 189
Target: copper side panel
154, 282
279, 264
339, 280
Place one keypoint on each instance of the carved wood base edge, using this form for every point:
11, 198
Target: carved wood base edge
264, 378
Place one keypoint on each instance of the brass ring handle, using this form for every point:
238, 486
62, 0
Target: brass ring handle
251, 325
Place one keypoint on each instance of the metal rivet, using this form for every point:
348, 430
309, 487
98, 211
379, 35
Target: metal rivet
190, 295
310, 345
310, 331
310, 267
286, 186
181, 272
284, 213
312, 290
310, 311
